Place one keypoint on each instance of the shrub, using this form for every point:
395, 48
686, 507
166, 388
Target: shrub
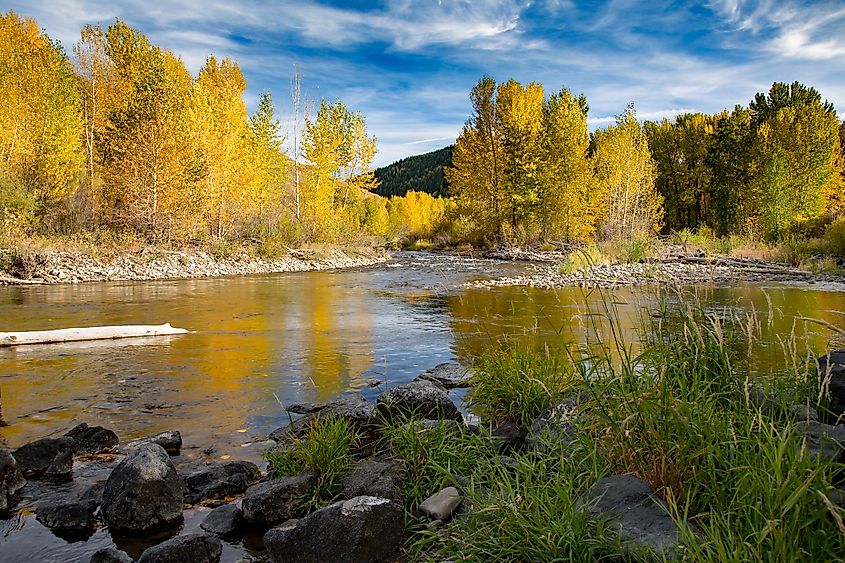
516, 385
580, 259
834, 238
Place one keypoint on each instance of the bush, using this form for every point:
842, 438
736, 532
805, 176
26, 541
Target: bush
516, 385
580, 259
834, 238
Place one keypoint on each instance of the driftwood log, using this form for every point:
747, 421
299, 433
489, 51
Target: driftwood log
89, 333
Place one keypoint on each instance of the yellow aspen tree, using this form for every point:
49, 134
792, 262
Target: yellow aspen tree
221, 118
624, 180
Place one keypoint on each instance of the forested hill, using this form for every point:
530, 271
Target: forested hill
422, 173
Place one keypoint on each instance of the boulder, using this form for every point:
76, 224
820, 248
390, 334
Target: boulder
143, 493
11, 479
61, 468
358, 530
824, 440
223, 520
370, 477
831, 368
557, 426
220, 480
110, 555
190, 548
640, 518
441, 505
420, 399
35, 458
170, 440
67, 516
356, 409
508, 436
272, 502
92, 439
448, 375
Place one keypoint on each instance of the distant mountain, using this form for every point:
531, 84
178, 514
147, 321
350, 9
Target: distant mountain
422, 173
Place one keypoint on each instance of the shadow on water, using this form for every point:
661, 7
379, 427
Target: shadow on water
306, 337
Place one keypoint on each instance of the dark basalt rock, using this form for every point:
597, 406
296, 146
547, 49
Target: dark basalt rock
639, 517
824, 440
448, 375
67, 516
110, 555
220, 480
373, 478
508, 436
421, 399
92, 439
358, 530
831, 368
277, 500
170, 440
35, 458
557, 426
223, 520
143, 493
11, 479
190, 548
357, 410
61, 468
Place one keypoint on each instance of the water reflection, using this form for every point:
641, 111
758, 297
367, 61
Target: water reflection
261, 340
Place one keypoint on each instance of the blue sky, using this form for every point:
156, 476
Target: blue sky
408, 65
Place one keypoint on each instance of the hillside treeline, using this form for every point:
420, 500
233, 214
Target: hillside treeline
122, 138
421, 173
526, 169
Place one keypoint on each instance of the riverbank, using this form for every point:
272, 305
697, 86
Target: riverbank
149, 263
672, 267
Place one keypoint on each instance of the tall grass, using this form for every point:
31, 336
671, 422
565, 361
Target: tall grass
684, 415
327, 450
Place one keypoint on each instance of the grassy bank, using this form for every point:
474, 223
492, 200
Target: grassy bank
721, 444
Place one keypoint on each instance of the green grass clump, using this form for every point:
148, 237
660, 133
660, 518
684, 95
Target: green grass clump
434, 454
516, 385
580, 259
327, 450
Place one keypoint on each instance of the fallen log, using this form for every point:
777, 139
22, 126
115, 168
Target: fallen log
88, 333
18, 281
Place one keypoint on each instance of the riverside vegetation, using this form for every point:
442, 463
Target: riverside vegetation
742, 466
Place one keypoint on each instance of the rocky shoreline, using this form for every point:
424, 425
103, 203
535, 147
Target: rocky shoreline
671, 269
51, 267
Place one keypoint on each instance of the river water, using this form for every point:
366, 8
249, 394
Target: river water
258, 341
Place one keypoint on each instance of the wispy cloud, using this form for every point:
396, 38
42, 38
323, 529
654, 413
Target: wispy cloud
408, 65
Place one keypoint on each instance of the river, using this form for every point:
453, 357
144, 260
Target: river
258, 341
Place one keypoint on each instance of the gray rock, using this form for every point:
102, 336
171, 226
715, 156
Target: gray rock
357, 410
190, 548
223, 520
508, 436
824, 440
831, 368
220, 480
557, 426
448, 375
92, 439
11, 479
277, 500
420, 399
143, 493
373, 478
61, 468
640, 518
170, 440
36, 457
359, 530
441, 505
110, 555
305, 408
74, 515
